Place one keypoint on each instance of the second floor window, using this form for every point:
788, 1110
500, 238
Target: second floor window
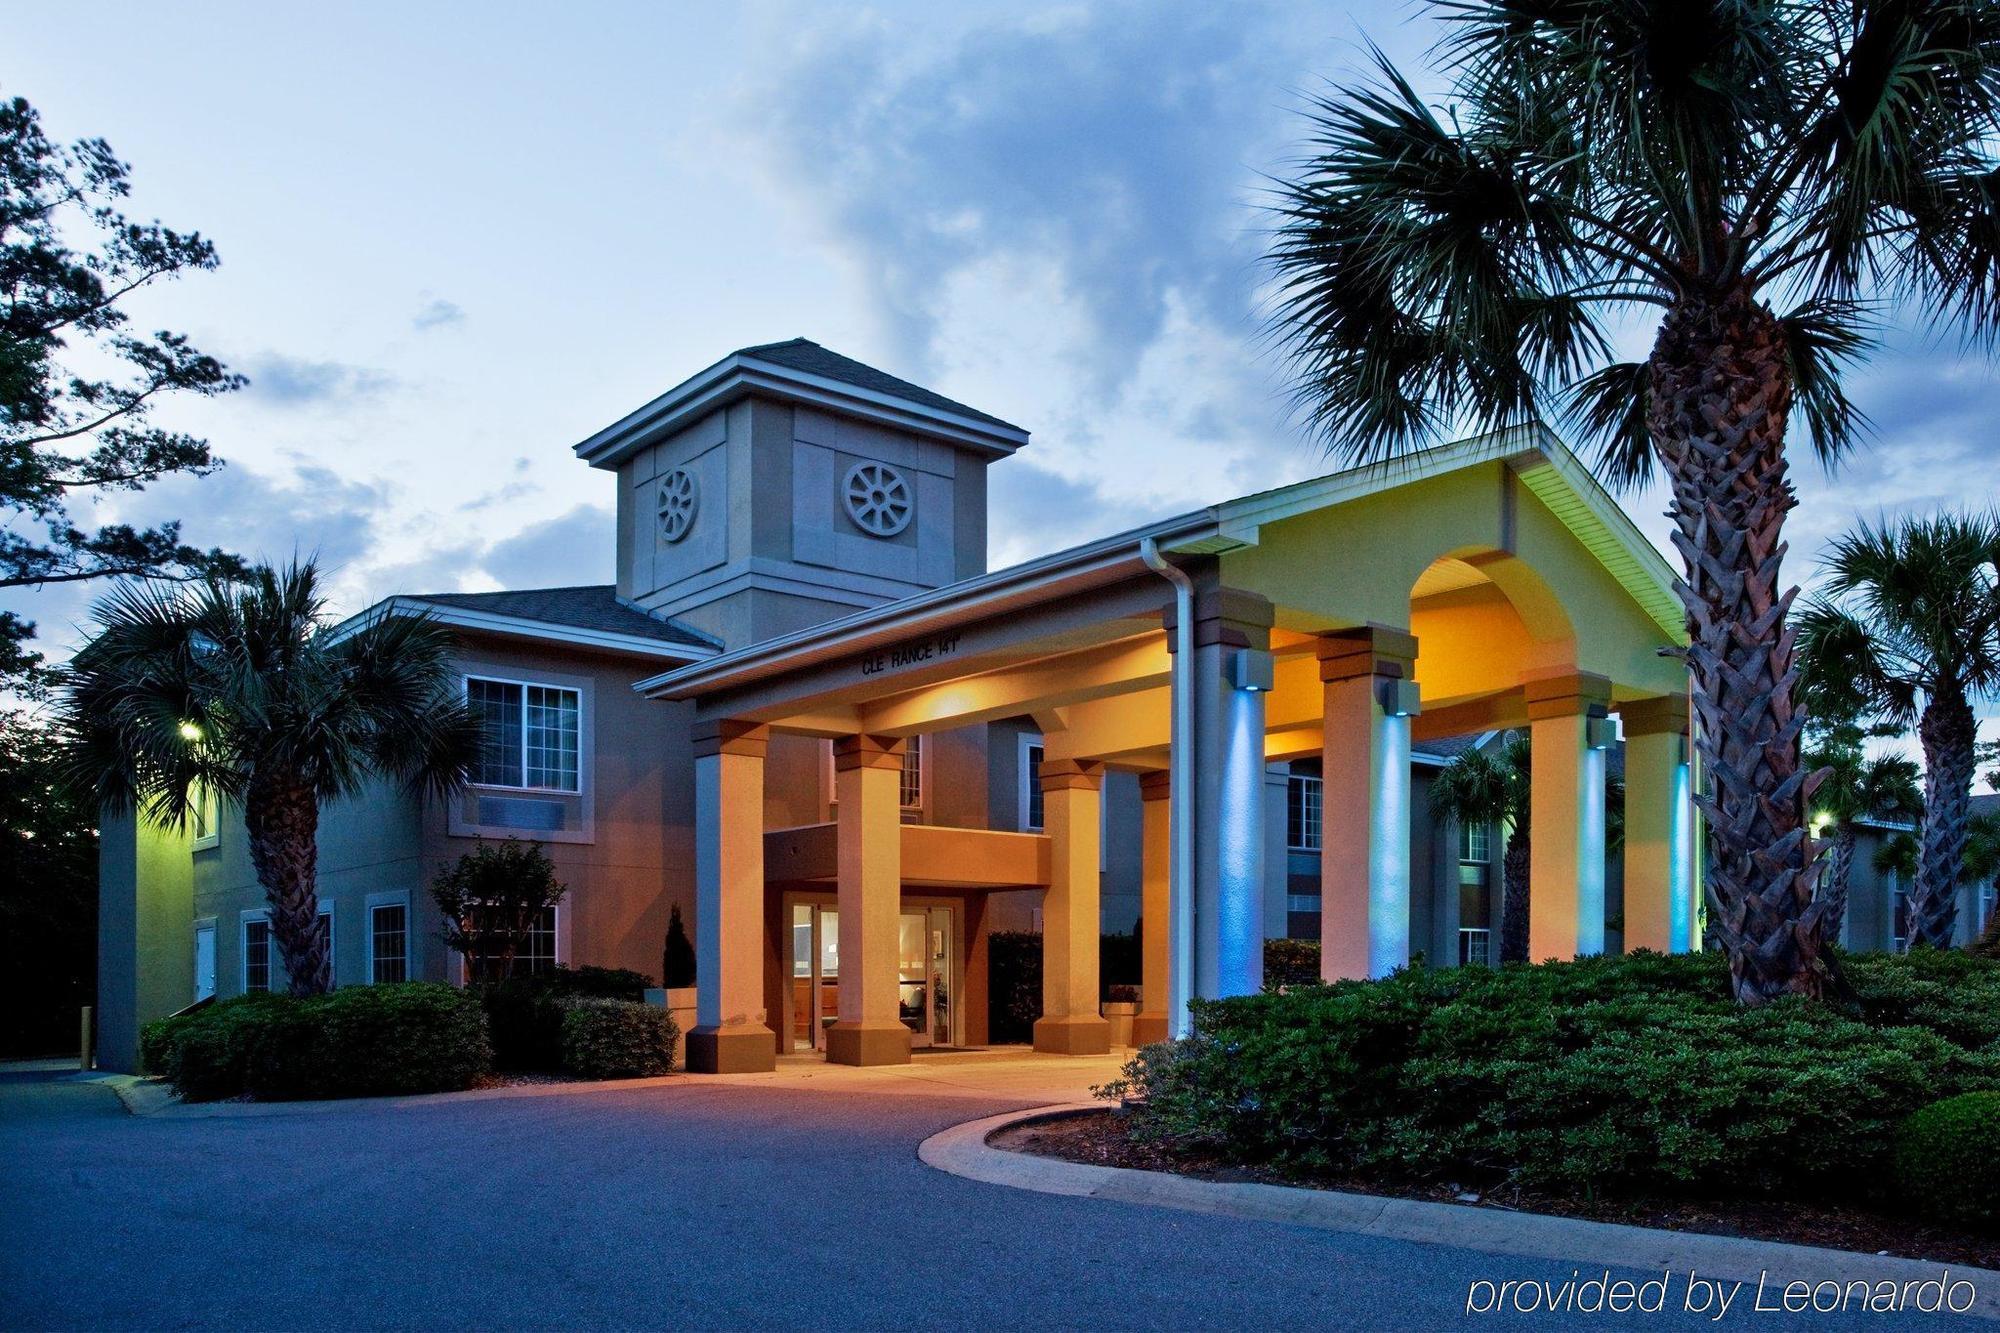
911, 789
1031, 785
1303, 796
1475, 844
531, 734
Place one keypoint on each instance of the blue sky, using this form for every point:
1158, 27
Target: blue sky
452, 248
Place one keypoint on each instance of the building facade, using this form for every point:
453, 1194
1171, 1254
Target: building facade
808, 716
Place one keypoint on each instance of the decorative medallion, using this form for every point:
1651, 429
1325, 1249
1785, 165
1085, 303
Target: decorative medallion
878, 499
678, 497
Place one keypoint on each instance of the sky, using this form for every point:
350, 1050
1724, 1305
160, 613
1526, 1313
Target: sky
453, 246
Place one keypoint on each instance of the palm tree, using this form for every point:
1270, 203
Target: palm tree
238, 689
1981, 866
1752, 175
1856, 788
1908, 624
1491, 787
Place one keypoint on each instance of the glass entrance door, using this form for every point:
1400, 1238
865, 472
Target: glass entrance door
924, 974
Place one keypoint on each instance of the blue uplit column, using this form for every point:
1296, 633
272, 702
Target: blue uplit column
1232, 675
1370, 696
1659, 826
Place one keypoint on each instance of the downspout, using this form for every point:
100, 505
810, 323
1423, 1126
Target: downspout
1180, 797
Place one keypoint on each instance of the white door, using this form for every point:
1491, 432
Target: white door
204, 962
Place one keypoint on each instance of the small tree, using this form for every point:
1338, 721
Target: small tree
492, 900
677, 964
1491, 787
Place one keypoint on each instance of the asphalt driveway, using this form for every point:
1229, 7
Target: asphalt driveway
689, 1205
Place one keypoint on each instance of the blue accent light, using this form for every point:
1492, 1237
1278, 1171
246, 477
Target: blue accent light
1389, 841
1590, 867
1680, 862
1239, 922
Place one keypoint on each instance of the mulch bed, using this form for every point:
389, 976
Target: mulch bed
1105, 1140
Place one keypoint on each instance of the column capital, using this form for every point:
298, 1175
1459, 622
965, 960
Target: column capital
1565, 694
730, 736
1156, 784
851, 752
1233, 617
1666, 714
1072, 775
1369, 650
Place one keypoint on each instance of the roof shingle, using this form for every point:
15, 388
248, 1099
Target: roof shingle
589, 606
808, 357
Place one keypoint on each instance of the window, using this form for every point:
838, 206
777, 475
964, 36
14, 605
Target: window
1899, 906
326, 916
911, 789
1303, 796
1031, 784
388, 942
532, 734
1473, 946
1475, 843
207, 823
1987, 893
256, 955
536, 955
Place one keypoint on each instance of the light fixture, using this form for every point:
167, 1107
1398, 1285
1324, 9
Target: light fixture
1399, 697
190, 731
1251, 670
1599, 733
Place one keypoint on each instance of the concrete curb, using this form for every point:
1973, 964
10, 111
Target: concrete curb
963, 1150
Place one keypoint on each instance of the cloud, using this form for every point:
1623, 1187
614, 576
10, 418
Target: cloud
1032, 510
293, 382
572, 548
437, 313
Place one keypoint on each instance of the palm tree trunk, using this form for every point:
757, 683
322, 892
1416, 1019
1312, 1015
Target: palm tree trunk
1948, 732
1719, 393
282, 817
1514, 901
1833, 883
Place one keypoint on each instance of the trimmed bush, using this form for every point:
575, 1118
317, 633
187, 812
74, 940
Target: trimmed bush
1630, 1075
525, 1013
1946, 1167
365, 1041
1013, 985
616, 1039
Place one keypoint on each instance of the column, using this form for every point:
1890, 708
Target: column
1568, 734
1232, 674
1659, 826
867, 775
1369, 696
1156, 929
1071, 1021
730, 1035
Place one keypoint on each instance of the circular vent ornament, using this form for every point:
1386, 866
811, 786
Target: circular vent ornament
877, 498
678, 497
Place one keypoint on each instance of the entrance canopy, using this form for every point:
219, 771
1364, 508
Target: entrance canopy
1484, 584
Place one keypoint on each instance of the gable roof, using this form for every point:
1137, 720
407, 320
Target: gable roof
801, 371
586, 615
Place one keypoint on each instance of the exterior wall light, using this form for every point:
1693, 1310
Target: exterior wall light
190, 732
1252, 671
1399, 698
1600, 733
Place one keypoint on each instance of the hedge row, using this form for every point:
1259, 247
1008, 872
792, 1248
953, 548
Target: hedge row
411, 1037
1635, 1075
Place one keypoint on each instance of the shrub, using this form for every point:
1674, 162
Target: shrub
156, 1038
616, 1039
677, 958
360, 1042
1637, 1074
525, 1013
1013, 985
1945, 1162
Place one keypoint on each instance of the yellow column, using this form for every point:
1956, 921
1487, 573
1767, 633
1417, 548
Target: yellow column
1071, 1021
1155, 852
867, 773
1365, 806
1566, 818
730, 1035
1659, 825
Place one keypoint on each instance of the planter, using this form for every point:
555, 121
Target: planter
1119, 1014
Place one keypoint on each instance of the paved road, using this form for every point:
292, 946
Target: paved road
684, 1206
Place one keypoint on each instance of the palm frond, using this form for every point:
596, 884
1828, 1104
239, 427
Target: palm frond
1822, 338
